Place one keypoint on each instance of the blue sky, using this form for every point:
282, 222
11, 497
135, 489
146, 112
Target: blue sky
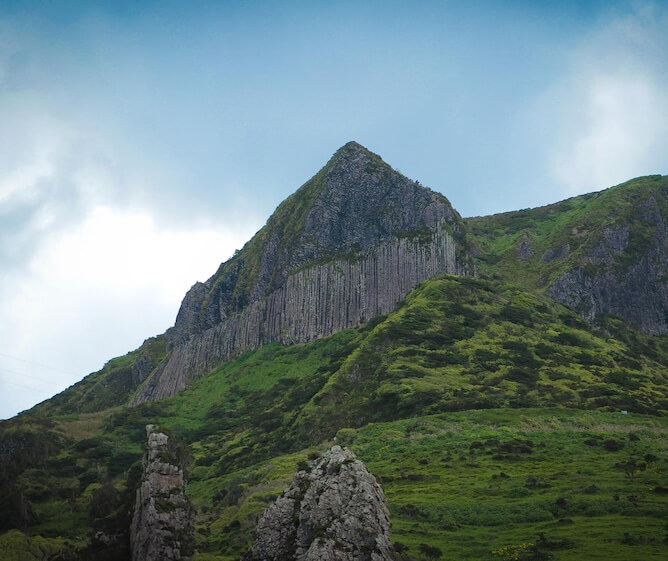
142, 142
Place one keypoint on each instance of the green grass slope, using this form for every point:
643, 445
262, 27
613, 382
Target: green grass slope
110, 386
577, 223
492, 417
495, 484
460, 343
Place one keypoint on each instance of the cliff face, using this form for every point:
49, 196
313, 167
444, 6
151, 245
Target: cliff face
333, 510
614, 279
346, 247
600, 254
162, 528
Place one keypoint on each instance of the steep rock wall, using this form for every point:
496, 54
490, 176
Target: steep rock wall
350, 207
314, 302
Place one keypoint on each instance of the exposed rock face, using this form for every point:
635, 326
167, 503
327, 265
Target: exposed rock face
617, 280
601, 254
560, 252
162, 528
524, 249
141, 368
346, 247
334, 511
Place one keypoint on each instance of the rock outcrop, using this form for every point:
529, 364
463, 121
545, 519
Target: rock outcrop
601, 254
615, 278
334, 510
346, 247
162, 528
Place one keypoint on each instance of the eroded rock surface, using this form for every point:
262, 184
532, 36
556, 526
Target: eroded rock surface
335, 510
162, 528
346, 247
615, 279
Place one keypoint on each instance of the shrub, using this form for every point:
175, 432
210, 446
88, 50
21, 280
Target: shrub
612, 445
522, 376
430, 552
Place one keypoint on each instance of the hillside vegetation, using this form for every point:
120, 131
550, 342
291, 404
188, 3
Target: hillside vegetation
491, 416
518, 415
532, 247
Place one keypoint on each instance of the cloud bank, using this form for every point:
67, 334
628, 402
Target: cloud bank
611, 108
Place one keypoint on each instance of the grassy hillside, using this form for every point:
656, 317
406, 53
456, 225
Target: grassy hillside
544, 483
108, 387
460, 343
490, 415
532, 247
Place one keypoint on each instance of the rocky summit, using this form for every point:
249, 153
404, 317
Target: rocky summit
162, 528
346, 247
334, 509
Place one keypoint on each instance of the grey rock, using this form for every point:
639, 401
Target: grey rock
525, 249
613, 279
614, 241
335, 510
560, 252
367, 237
141, 368
162, 527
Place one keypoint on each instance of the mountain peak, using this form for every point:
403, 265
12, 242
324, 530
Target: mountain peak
353, 155
344, 248
353, 145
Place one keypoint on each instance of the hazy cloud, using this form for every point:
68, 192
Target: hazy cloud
96, 247
96, 290
612, 110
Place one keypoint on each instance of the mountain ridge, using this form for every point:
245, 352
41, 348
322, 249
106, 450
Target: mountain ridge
602, 253
344, 248
118, 380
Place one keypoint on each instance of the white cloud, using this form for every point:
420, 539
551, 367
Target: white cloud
95, 291
614, 134
611, 110
30, 141
92, 261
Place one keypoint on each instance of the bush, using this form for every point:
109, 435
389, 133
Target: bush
522, 376
612, 445
430, 552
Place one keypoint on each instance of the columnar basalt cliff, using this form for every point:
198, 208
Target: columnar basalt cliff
162, 528
346, 247
333, 510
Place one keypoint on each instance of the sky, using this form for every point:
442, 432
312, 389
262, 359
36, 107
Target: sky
141, 143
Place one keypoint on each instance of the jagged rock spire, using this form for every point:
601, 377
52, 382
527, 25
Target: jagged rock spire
334, 510
162, 527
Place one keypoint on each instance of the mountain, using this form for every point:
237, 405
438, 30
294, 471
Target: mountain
346, 247
501, 423
601, 254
